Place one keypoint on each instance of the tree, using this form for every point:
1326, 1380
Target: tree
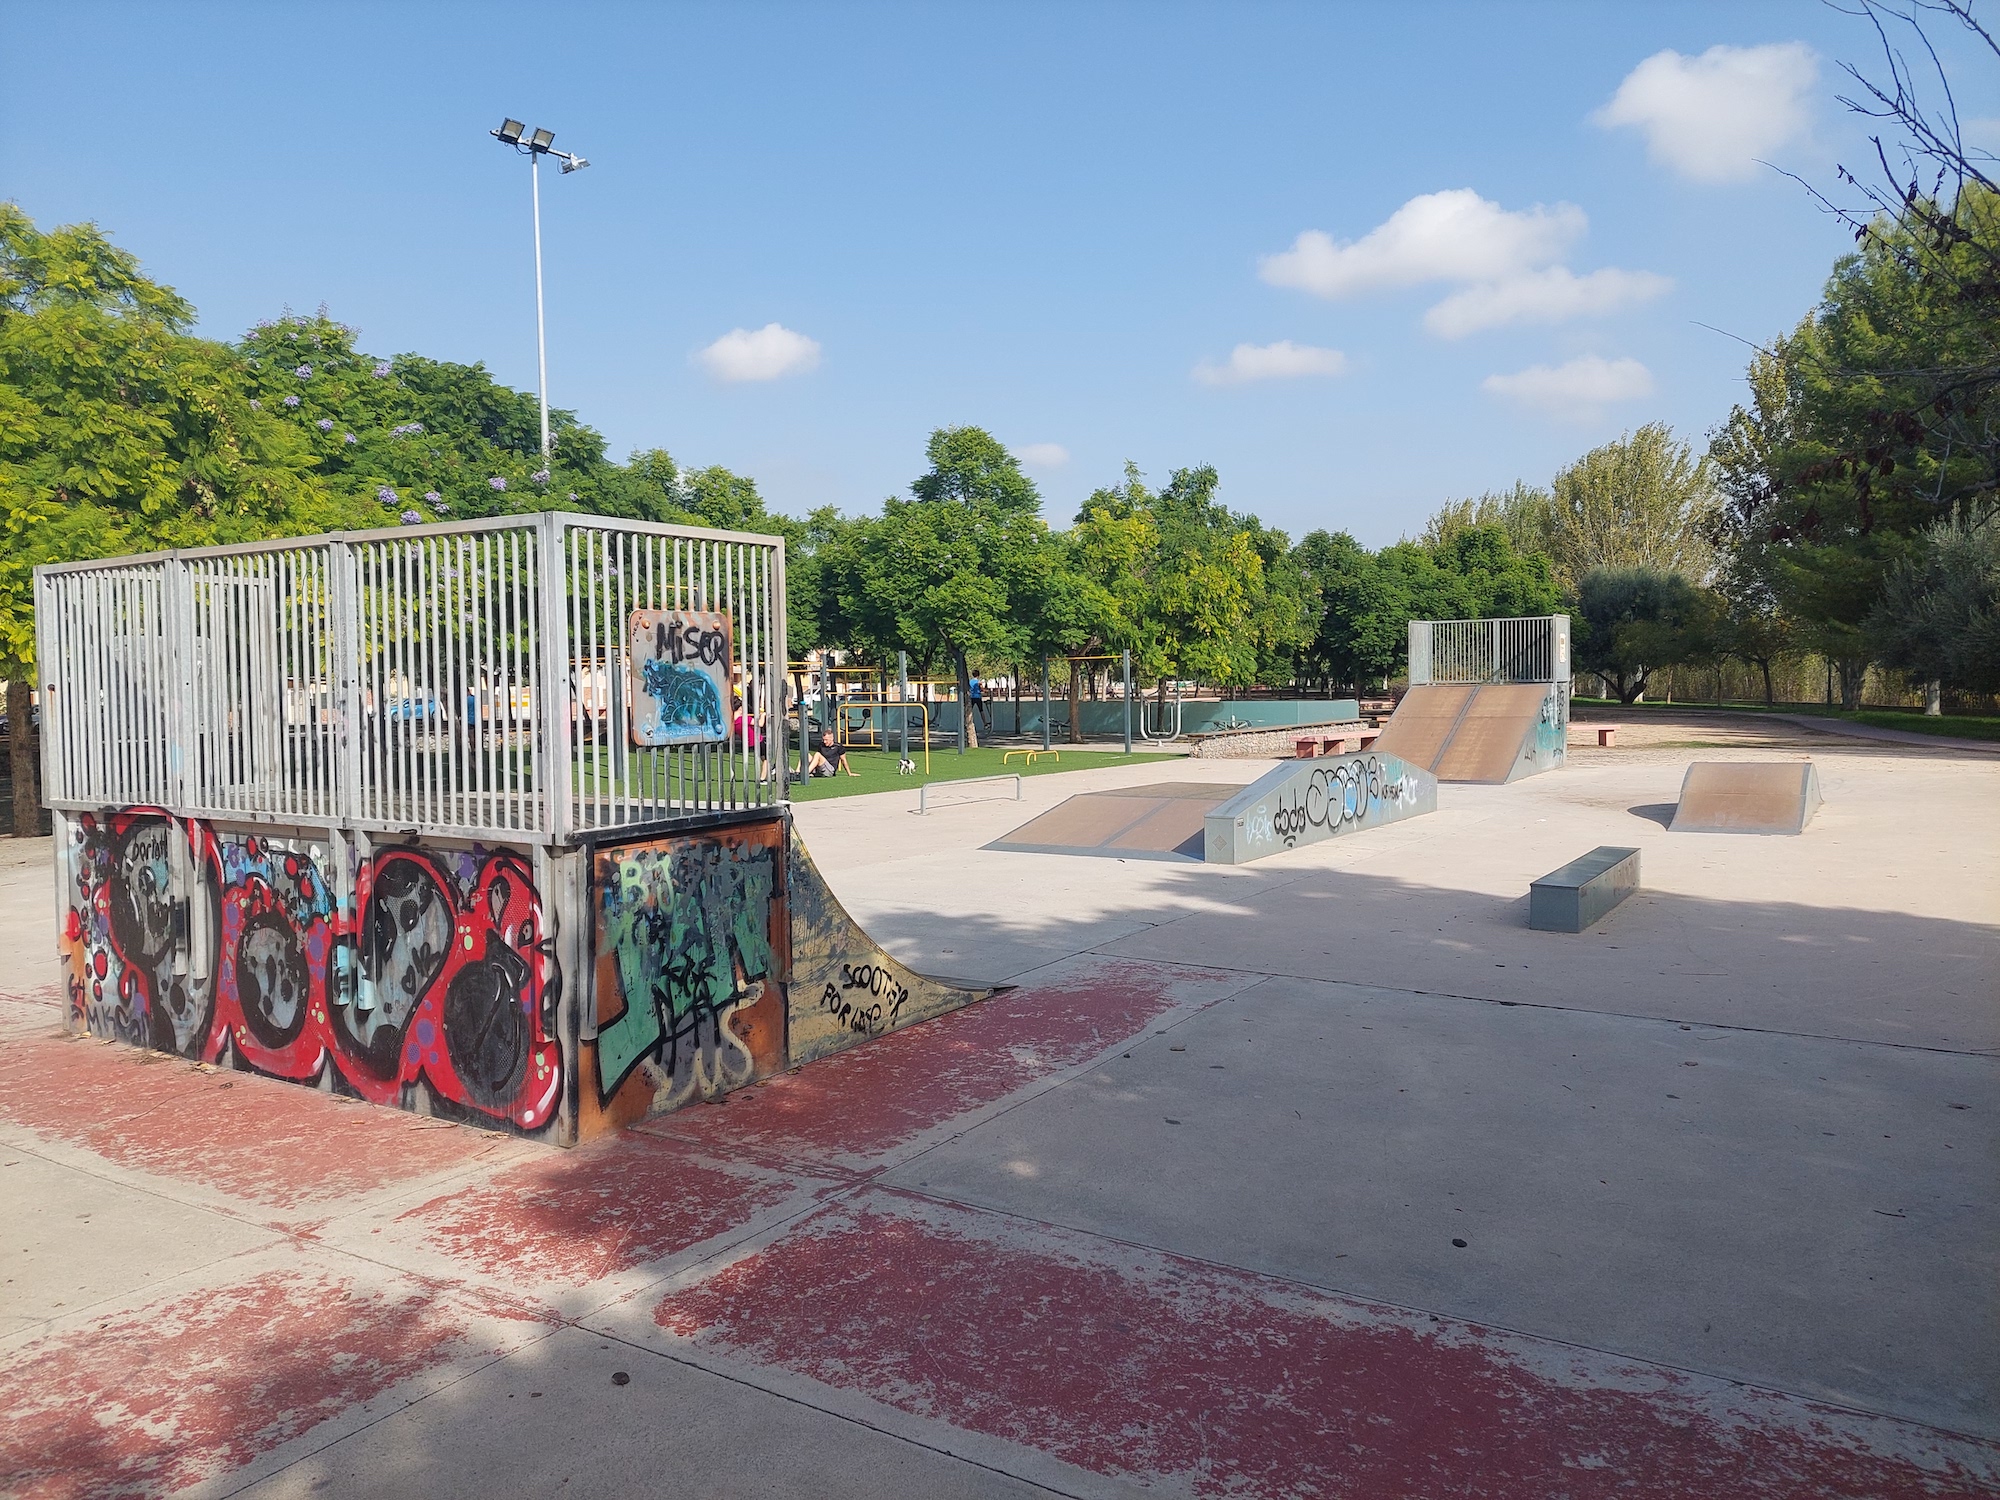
1522, 512
1939, 616
1633, 621
1874, 418
1368, 600
1644, 501
121, 432
956, 570
1866, 424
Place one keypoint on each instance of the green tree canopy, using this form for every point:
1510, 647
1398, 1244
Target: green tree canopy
1633, 621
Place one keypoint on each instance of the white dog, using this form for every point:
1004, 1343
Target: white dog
906, 767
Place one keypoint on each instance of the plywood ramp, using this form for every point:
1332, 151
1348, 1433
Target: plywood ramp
1423, 723
1495, 725
1747, 797
1462, 732
1159, 821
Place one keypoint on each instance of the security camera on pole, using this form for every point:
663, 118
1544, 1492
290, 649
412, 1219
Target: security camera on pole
536, 144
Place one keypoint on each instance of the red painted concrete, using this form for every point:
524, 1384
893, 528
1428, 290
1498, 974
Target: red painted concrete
852, 1108
175, 1393
1163, 1369
270, 1142
595, 1211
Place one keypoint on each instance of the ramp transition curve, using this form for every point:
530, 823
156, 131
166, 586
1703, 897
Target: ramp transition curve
1479, 732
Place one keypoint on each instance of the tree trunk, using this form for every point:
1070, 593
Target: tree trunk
23, 764
1075, 701
1765, 667
965, 703
1933, 699
1852, 675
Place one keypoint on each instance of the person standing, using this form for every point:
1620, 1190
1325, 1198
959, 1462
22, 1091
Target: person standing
977, 692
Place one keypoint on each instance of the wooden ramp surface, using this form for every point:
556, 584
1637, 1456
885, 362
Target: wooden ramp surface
1162, 820
1461, 732
1719, 796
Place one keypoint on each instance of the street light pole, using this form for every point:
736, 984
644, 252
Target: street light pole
541, 326
538, 144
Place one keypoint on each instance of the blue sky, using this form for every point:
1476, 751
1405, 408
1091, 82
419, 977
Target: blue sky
1059, 222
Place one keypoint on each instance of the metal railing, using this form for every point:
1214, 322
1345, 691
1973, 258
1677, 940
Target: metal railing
1530, 649
924, 791
470, 679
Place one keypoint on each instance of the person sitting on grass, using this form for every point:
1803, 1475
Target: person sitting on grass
830, 756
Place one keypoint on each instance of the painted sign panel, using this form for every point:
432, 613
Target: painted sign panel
679, 692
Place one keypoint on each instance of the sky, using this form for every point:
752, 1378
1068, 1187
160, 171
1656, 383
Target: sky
1363, 259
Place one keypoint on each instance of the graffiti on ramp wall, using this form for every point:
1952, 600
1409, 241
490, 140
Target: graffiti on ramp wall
690, 948
235, 948
845, 988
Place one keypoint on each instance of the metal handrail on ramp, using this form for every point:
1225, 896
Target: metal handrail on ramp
924, 791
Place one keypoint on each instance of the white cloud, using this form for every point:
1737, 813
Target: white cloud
1577, 390
1551, 296
1507, 262
1713, 117
766, 353
1283, 360
1450, 236
1043, 455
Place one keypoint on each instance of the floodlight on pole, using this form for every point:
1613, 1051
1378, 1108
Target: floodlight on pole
539, 143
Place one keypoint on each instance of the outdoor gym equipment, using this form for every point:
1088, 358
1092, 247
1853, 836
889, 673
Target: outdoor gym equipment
1124, 657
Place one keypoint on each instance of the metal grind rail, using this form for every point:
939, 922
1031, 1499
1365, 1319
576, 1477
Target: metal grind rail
471, 679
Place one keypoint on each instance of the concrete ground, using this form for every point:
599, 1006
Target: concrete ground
1321, 1176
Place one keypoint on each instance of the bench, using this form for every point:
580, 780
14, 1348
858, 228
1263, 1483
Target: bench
1305, 749
1582, 892
1607, 735
1335, 746
1369, 739
1031, 754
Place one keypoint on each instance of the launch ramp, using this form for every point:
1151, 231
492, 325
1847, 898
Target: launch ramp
1161, 820
1747, 797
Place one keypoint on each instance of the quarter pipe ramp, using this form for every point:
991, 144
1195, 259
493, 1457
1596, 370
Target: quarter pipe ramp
1491, 732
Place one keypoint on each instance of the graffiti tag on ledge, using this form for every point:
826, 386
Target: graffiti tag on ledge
869, 1019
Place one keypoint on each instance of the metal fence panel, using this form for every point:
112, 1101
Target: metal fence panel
1530, 649
469, 679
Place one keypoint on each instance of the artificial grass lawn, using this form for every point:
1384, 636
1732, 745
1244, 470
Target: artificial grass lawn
875, 770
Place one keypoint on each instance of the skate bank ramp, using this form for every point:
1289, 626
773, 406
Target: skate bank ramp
1747, 797
1161, 820
1490, 732
1310, 801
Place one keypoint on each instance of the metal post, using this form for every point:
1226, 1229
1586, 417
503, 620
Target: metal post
774, 695
1128, 702
1045, 703
558, 689
541, 336
903, 698
964, 708
344, 596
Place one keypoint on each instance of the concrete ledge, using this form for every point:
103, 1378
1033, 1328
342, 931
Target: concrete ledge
1583, 891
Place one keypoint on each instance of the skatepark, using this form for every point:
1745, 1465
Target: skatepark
1322, 1174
